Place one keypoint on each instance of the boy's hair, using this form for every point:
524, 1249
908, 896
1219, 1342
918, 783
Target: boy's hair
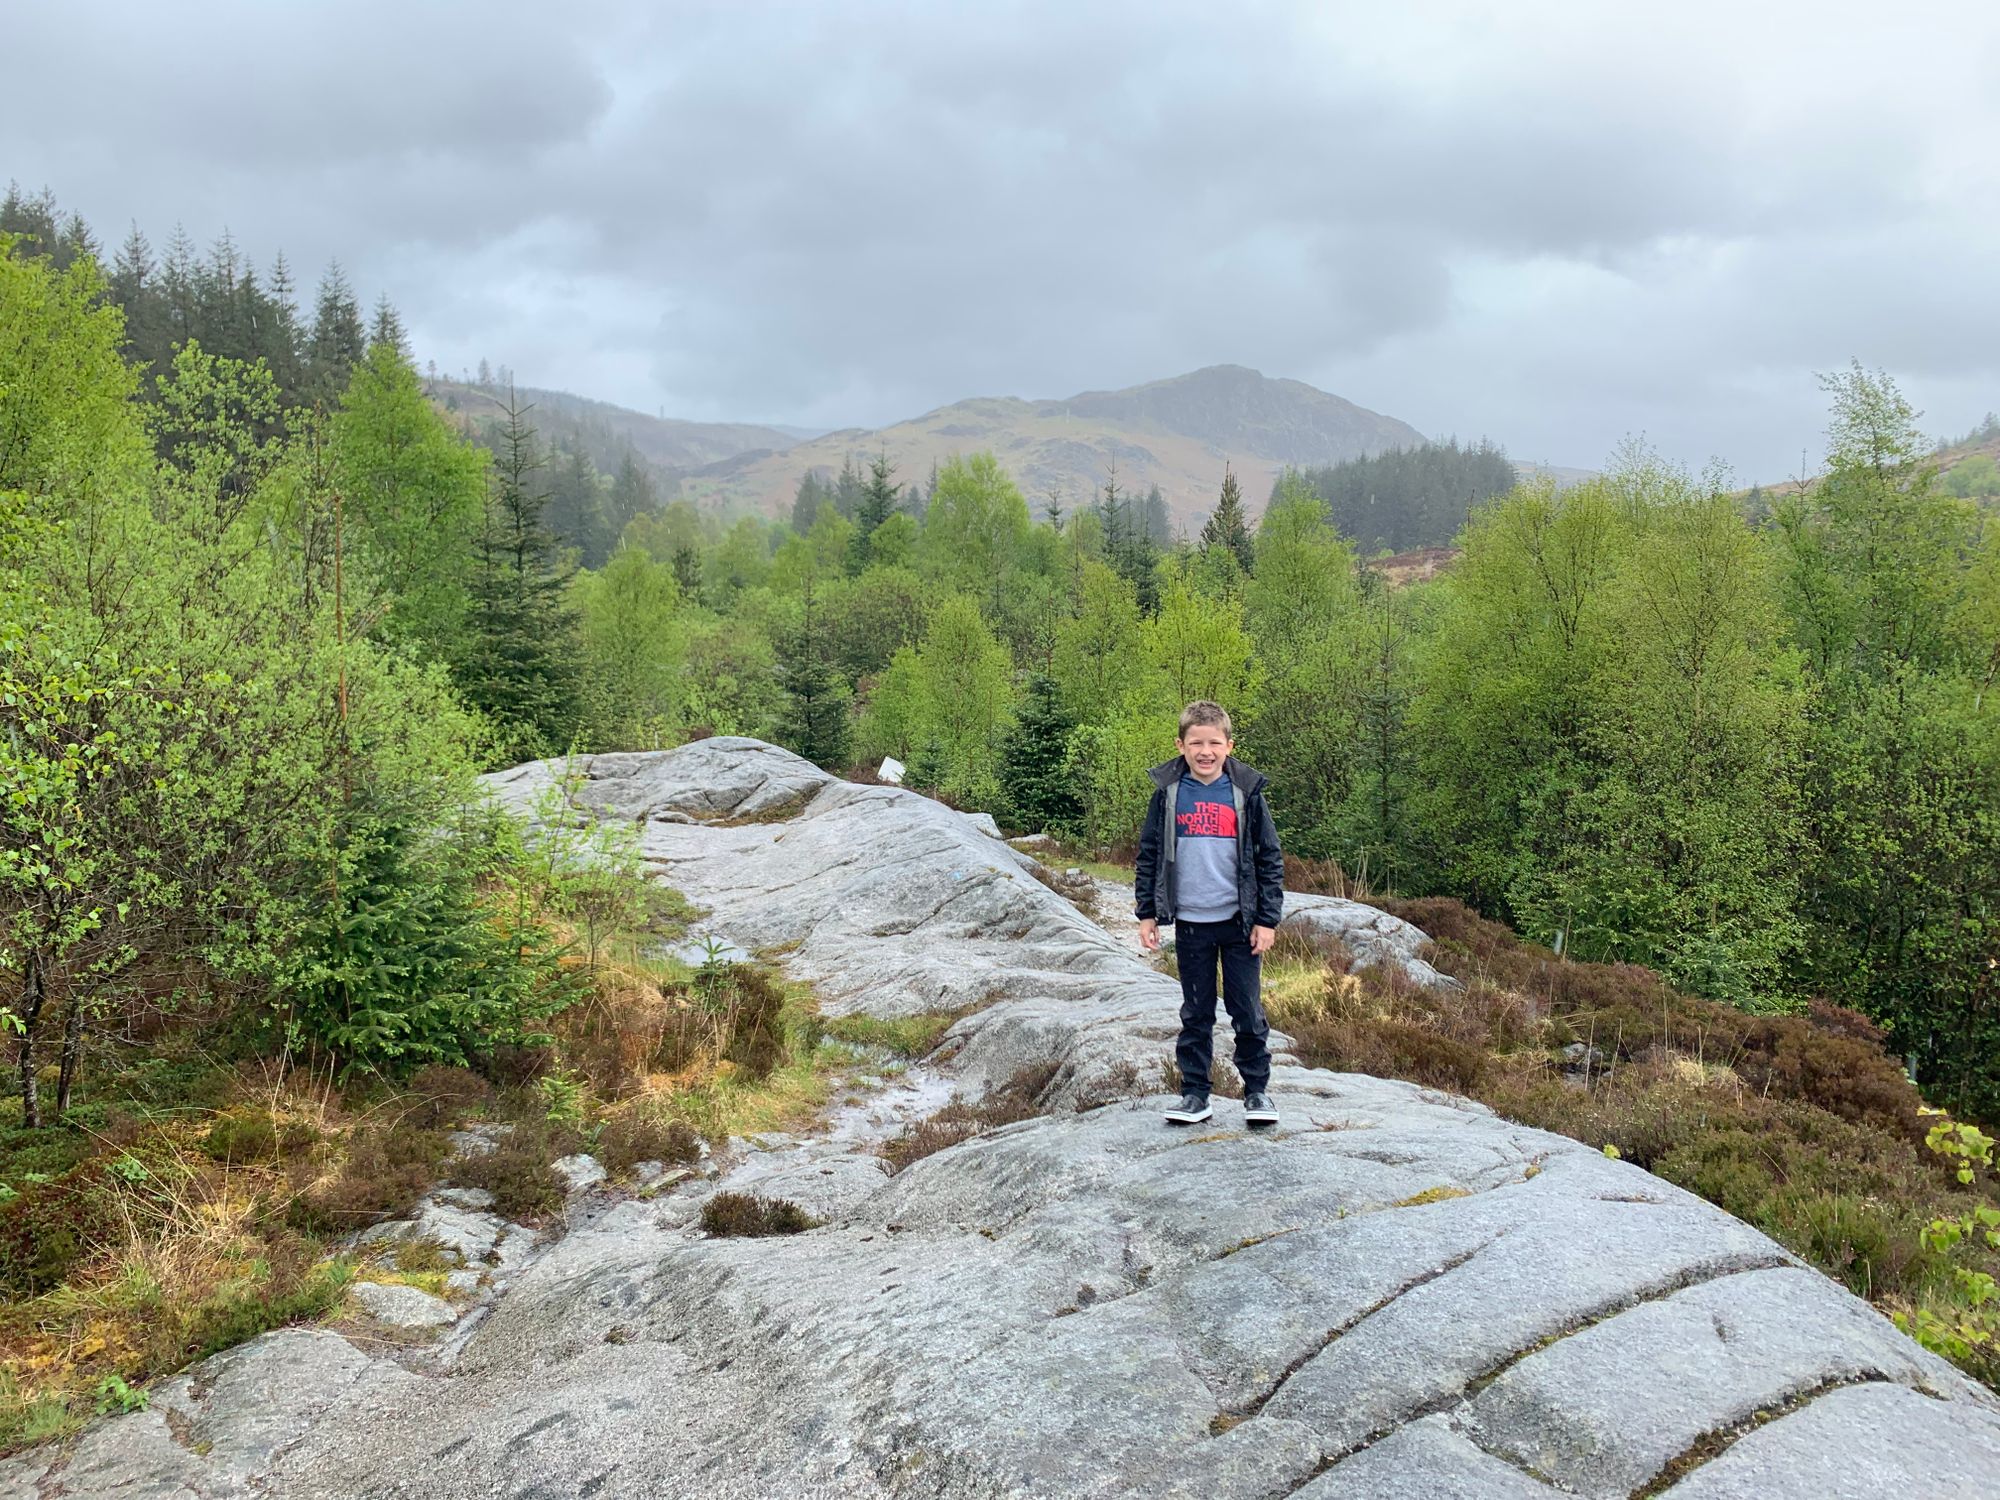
1201, 711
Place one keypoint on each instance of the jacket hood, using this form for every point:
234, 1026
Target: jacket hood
1168, 772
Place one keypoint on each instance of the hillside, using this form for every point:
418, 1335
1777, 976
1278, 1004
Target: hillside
1969, 466
1175, 433
670, 446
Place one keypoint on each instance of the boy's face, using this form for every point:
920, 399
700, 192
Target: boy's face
1204, 746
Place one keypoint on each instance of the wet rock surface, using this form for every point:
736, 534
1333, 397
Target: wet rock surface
1393, 1294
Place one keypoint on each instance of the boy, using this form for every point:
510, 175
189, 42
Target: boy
1209, 863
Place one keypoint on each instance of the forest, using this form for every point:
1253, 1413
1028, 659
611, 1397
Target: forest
266, 611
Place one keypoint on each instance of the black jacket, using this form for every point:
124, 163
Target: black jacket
1260, 863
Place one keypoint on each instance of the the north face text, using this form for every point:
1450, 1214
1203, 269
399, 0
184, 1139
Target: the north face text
1212, 820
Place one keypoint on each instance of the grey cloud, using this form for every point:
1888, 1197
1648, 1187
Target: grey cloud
1550, 223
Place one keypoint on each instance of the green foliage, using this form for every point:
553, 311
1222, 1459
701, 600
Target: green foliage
1605, 730
1304, 615
1228, 529
402, 965
116, 1399
519, 663
906, 1036
1410, 497
1035, 773
877, 504
953, 695
1964, 1328
815, 718
975, 529
632, 652
1974, 478
1889, 592
415, 495
1109, 761
1098, 663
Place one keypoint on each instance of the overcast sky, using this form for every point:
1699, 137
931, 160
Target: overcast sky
1555, 224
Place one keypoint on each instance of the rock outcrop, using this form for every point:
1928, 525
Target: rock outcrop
1394, 1294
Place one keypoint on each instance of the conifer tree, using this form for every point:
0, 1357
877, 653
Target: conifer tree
847, 489
337, 342
1035, 772
814, 720
388, 329
519, 667
878, 503
805, 503
1228, 527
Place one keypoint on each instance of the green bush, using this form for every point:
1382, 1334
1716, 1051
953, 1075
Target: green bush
405, 964
256, 1137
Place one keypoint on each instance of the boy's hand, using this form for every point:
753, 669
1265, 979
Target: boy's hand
1261, 939
1149, 934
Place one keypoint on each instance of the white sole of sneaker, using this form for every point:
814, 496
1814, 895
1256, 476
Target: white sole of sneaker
1183, 1117
1261, 1118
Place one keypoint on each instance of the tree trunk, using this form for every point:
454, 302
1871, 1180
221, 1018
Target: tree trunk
33, 993
72, 1055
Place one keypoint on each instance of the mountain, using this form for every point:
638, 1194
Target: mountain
670, 446
1175, 433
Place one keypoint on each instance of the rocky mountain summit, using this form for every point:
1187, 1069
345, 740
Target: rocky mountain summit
1395, 1294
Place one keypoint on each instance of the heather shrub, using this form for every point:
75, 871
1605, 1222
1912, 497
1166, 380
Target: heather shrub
756, 1022
518, 1171
443, 1094
744, 1216
385, 1168
1016, 1099
634, 1136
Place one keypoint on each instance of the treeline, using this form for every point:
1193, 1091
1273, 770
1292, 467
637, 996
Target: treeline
1410, 497
218, 298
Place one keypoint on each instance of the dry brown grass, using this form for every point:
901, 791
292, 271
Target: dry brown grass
1019, 1098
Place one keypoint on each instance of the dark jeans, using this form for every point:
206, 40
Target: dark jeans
1198, 946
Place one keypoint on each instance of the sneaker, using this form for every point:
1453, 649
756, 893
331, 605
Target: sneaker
1259, 1111
1192, 1110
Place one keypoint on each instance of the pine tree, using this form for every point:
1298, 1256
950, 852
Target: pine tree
1034, 761
814, 721
878, 503
338, 341
1128, 545
177, 288
280, 340
847, 489
1228, 527
632, 495
520, 663
805, 503
388, 329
